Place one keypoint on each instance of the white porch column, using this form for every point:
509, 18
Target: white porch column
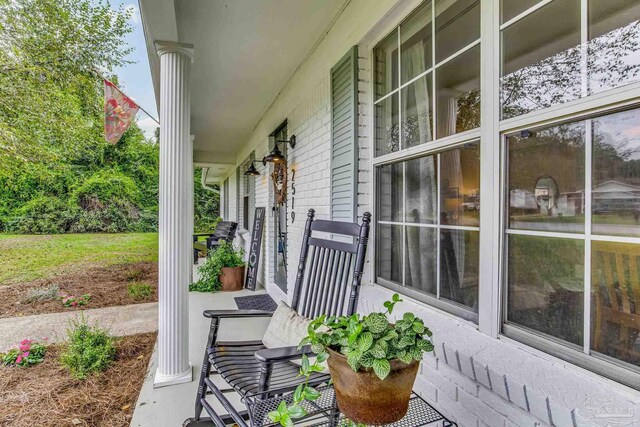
175, 216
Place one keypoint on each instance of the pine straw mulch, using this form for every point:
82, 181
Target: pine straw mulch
46, 395
108, 286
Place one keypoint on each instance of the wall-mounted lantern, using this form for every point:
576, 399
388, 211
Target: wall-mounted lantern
252, 169
276, 155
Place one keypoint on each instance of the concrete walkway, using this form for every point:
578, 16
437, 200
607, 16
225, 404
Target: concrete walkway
120, 321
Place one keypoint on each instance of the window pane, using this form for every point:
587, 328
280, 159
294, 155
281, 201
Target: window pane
541, 59
416, 48
546, 179
616, 174
389, 252
615, 299
389, 192
458, 92
386, 65
421, 176
420, 264
546, 286
459, 264
417, 112
614, 44
387, 138
460, 186
457, 25
512, 8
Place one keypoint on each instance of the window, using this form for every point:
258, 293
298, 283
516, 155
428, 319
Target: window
428, 227
409, 110
573, 229
572, 58
564, 219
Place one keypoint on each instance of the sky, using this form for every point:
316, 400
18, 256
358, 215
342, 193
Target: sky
135, 79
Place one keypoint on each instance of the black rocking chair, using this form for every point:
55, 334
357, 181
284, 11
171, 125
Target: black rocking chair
327, 282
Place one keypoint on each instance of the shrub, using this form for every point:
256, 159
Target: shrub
27, 353
225, 255
139, 291
42, 215
89, 349
41, 294
104, 187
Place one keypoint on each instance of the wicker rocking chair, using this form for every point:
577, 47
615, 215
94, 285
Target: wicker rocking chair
327, 282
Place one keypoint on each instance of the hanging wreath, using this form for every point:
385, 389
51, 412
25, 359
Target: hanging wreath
279, 178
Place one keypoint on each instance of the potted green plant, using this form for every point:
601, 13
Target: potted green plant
373, 364
223, 270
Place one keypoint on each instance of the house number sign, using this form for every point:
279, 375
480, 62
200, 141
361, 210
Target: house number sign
254, 250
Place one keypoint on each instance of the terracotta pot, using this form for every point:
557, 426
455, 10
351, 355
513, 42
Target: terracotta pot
232, 278
364, 398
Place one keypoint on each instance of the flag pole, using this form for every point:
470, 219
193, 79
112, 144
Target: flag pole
139, 106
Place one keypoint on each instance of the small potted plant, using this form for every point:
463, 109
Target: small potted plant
373, 362
223, 270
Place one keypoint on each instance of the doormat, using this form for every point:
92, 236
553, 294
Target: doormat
256, 302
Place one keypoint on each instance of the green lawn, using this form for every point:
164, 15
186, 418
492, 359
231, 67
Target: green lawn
29, 257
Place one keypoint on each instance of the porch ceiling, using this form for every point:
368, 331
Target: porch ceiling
245, 52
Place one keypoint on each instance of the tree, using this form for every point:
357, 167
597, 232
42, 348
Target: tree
50, 102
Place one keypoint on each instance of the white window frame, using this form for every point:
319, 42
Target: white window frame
434, 147
491, 134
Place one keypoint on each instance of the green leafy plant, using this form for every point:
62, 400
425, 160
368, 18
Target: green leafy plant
73, 301
27, 353
285, 414
139, 291
225, 255
89, 349
368, 342
372, 341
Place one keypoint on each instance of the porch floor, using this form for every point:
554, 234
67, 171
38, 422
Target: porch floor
170, 406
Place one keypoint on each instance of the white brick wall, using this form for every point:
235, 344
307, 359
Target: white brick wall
474, 379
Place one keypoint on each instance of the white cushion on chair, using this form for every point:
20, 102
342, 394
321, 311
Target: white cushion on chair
287, 328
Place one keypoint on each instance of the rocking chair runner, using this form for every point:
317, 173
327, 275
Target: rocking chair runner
328, 283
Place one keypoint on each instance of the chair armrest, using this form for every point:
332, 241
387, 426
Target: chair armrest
280, 354
235, 314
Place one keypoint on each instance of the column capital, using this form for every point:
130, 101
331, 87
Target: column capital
163, 47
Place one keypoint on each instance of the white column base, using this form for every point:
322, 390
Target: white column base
161, 380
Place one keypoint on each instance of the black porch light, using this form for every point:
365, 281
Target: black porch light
276, 155
252, 168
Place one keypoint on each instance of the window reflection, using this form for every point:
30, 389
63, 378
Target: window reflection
545, 68
546, 179
541, 68
459, 263
616, 174
417, 112
421, 190
420, 263
615, 290
546, 286
458, 91
389, 252
386, 65
390, 193
460, 186
457, 25
416, 43
614, 44
511, 8
386, 127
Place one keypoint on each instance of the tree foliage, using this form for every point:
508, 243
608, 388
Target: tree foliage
57, 173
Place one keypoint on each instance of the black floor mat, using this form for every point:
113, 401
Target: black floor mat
256, 302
